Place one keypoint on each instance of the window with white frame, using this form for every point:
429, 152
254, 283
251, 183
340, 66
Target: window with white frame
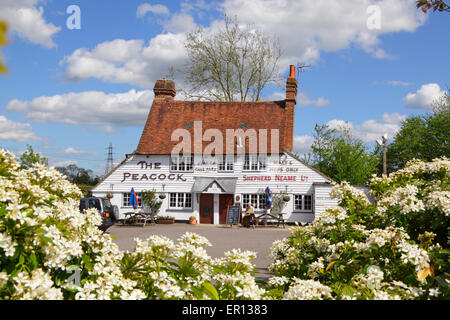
254, 162
257, 200
303, 202
180, 200
181, 163
126, 199
226, 163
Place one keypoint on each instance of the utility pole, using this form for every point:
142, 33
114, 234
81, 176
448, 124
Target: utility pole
109, 161
382, 143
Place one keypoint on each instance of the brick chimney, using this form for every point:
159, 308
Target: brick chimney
164, 89
291, 100
291, 86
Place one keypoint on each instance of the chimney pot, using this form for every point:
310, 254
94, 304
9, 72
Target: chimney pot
292, 73
164, 89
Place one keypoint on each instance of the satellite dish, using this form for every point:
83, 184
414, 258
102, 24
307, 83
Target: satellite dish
379, 142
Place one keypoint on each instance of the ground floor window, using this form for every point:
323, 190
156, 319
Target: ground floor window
303, 202
180, 200
126, 199
257, 200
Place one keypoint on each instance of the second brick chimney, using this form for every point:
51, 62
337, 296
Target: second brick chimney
291, 100
291, 85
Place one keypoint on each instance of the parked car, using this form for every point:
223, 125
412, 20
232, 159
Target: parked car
108, 212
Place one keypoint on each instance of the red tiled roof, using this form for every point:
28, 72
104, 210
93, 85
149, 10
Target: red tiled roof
166, 115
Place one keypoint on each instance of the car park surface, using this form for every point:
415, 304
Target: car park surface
222, 238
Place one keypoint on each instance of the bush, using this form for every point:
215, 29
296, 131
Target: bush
395, 248
45, 242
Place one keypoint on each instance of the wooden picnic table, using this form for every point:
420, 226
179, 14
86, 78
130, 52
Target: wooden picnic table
270, 216
134, 217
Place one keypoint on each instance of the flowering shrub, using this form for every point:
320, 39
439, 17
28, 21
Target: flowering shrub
165, 270
44, 240
395, 248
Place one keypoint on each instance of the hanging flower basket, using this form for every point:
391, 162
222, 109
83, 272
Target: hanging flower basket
109, 195
162, 196
286, 198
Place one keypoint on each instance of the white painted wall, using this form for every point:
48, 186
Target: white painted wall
284, 165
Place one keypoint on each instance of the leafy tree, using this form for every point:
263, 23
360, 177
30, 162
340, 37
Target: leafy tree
79, 176
29, 157
422, 137
3, 41
341, 156
437, 5
233, 63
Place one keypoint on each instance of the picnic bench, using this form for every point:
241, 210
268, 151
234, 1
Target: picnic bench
270, 216
133, 217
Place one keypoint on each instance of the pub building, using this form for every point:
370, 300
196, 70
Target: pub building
209, 175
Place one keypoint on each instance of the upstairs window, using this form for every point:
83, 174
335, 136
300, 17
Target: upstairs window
181, 163
254, 163
226, 163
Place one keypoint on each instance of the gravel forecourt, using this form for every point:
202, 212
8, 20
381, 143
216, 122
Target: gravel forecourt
222, 237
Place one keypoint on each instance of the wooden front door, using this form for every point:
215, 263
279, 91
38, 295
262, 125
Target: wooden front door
206, 208
225, 200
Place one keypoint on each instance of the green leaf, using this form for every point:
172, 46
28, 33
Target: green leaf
210, 291
347, 290
87, 261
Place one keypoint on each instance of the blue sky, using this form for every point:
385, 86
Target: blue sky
69, 93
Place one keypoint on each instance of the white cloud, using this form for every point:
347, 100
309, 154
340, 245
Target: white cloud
371, 130
88, 108
302, 144
305, 29
180, 23
308, 27
424, 97
303, 100
26, 19
127, 61
65, 163
73, 151
10, 130
368, 131
158, 9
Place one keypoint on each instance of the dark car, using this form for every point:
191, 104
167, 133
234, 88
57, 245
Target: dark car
108, 212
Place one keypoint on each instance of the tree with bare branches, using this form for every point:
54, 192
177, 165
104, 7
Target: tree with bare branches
233, 63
